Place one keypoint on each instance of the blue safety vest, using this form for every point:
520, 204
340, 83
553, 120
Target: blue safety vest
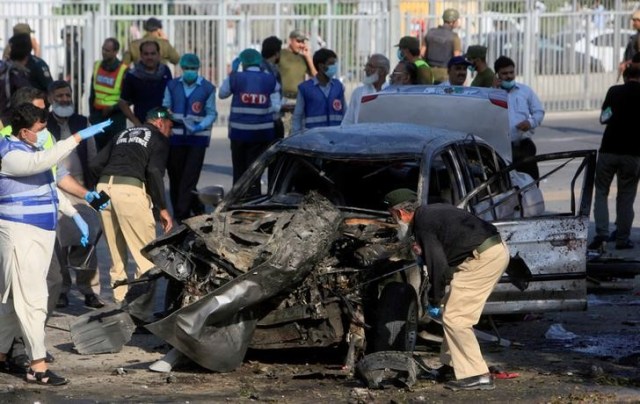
32, 199
320, 110
193, 109
251, 118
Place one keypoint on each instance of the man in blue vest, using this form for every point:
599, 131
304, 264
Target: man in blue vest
191, 99
29, 207
256, 96
321, 99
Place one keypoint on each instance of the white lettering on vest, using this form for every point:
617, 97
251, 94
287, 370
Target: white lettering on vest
107, 81
248, 98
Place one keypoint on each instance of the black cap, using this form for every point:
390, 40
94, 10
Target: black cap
152, 24
159, 113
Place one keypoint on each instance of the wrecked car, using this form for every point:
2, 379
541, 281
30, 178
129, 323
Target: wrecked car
312, 259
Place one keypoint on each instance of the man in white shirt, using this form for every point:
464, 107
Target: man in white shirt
525, 114
376, 71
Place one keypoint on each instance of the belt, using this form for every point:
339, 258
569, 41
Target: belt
488, 243
120, 180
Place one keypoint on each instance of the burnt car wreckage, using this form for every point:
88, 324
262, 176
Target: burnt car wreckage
312, 259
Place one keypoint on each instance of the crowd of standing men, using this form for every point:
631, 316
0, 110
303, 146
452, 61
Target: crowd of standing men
52, 162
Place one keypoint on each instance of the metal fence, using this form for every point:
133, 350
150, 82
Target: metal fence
569, 56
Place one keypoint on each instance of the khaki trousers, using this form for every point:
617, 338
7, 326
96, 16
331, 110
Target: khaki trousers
25, 255
127, 222
470, 288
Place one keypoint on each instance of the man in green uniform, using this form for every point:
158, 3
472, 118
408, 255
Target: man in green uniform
409, 49
153, 26
295, 66
477, 55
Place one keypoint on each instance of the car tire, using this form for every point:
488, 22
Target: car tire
397, 319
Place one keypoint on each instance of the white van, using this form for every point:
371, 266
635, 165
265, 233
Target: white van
475, 110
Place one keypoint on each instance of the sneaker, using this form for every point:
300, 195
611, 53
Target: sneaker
63, 301
482, 382
624, 245
597, 243
93, 301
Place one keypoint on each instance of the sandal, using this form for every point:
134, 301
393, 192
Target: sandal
47, 377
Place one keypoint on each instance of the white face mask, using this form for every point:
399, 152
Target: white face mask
371, 79
403, 230
63, 111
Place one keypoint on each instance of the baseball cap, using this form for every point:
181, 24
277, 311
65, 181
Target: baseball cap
297, 34
399, 196
159, 113
152, 24
458, 60
450, 15
476, 51
22, 28
408, 42
250, 57
190, 60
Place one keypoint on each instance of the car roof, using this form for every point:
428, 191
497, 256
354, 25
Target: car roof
371, 140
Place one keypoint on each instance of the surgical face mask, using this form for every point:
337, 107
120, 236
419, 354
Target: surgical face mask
41, 138
190, 76
403, 230
507, 84
332, 70
63, 111
371, 79
400, 55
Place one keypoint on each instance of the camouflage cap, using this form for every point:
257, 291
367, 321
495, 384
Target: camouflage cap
159, 113
450, 15
22, 28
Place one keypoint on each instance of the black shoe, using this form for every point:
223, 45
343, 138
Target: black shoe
92, 301
49, 358
63, 301
624, 245
613, 235
597, 243
445, 373
482, 382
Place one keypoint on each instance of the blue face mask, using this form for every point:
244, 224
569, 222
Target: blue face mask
332, 70
190, 76
400, 55
507, 84
41, 138
471, 68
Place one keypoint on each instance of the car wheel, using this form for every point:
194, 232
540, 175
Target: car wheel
397, 318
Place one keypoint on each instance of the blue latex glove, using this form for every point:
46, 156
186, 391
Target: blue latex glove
235, 65
93, 130
83, 227
434, 312
91, 195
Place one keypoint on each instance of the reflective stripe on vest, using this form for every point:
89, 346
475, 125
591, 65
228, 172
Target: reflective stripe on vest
107, 85
31, 199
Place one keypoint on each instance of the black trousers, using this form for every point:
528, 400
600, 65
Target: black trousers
243, 154
184, 167
526, 148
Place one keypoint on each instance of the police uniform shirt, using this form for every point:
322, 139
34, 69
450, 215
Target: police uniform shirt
40, 76
139, 152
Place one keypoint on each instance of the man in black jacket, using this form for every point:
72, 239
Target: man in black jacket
131, 170
462, 251
618, 156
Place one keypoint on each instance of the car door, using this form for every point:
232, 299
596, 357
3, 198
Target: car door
549, 234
